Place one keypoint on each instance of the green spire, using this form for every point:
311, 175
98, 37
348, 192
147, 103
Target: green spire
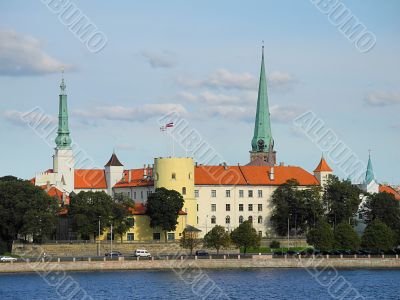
63, 140
369, 176
262, 139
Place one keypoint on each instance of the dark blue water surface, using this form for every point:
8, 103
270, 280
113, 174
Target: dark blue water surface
196, 284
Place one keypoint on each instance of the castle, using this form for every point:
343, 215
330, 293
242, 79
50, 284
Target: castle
213, 194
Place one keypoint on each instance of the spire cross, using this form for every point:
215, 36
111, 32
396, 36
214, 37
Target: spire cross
62, 85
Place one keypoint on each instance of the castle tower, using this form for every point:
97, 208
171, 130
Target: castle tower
322, 172
262, 145
63, 163
177, 173
114, 171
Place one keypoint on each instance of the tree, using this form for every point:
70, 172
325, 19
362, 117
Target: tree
346, 237
378, 235
341, 200
298, 209
163, 207
245, 236
121, 214
321, 237
385, 207
86, 209
275, 244
217, 238
25, 210
189, 239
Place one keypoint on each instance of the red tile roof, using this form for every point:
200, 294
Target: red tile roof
251, 175
52, 191
90, 179
323, 166
136, 177
390, 190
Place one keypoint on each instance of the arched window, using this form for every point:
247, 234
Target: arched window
250, 219
227, 220
184, 191
240, 219
213, 220
173, 176
260, 219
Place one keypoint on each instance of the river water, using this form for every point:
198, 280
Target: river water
205, 284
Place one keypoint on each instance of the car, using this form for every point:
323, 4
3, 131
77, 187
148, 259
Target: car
7, 259
113, 254
201, 253
141, 253
292, 253
279, 253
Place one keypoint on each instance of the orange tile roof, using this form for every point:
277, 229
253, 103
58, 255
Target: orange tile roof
137, 178
55, 192
390, 190
90, 179
251, 175
323, 166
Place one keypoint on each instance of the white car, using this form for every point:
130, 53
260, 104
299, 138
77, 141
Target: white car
7, 259
141, 253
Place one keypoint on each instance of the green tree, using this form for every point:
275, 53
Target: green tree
189, 239
378, 235
385, 207
341, 200
275, 244
163, 207
86, 209
346, 237
321, 237
245, 236
25, 210
121, 214
217, 238
298, 209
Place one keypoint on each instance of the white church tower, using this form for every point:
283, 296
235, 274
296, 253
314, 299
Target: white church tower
63, 162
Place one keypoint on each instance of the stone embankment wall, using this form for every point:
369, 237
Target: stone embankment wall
92, 249
256, 261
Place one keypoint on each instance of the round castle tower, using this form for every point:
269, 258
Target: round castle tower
177, 173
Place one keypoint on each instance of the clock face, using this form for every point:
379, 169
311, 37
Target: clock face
260, 144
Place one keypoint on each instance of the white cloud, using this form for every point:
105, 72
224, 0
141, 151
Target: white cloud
285, 114
22, 55
281, 81
382, 99
186, 96
130, 114
164, 59
30, 118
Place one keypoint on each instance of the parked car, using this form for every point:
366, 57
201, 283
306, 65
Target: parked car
279, 253
202, 253
292, 253
113, 254
7, 259
141, 253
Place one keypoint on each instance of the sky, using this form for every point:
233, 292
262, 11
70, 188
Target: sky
201, 60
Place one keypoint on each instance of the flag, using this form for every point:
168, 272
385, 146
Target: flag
170, 124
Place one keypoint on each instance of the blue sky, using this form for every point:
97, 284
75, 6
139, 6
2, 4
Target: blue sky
201, 58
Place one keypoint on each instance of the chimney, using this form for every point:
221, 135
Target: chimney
129, 176
196, 164
225, 166
281, 163
272, 174
47, 186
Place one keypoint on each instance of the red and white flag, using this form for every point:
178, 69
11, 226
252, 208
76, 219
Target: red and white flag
170, 124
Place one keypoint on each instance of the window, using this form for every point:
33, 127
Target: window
241, 194
130, 236
184, 191
141, 194
173, 176
213, 220
360, 216
156, 236
240, 219
227, 207
171, 236
250, 193
259, 193
197, 220
148, 193
197, 207
250, 207
227, 220
260, 220
250, 219
240, 207
196, 193
131, 222
260, 233
134, 195
259, 207
190, 176
213, 207
228, 193
213, 193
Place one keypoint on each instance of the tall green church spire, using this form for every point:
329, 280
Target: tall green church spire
63, 140
369, 176
262, 139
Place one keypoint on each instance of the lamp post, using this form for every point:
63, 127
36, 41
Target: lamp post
98, 240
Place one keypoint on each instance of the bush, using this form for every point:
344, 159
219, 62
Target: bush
346, 237
378, 235
321, 237
274, 244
